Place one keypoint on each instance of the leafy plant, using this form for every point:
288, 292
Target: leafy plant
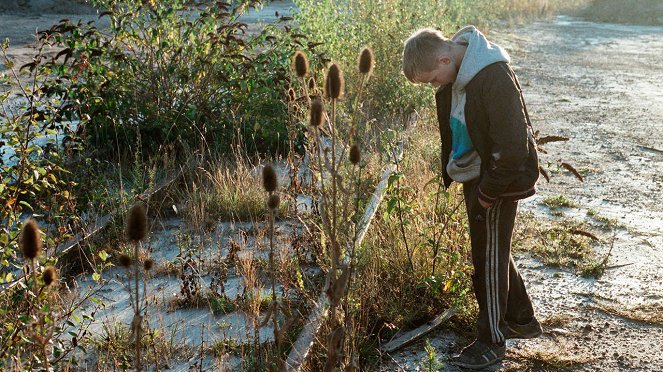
33, 170
431, 363
180, 76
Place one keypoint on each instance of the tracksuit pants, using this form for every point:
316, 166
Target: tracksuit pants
498, 287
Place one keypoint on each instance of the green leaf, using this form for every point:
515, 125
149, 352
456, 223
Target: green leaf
394, 177
103, 255
391, 204
96, 277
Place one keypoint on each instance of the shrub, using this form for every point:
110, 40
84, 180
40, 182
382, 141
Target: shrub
179, 76
32, 166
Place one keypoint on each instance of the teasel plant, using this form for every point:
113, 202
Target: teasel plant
339, 183
31, 246
270, 184
136, 231
38, 326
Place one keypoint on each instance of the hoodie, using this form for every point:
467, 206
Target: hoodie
464, 162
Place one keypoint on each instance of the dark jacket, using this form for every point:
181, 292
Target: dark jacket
500, 130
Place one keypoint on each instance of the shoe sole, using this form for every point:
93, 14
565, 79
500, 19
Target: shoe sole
512, 334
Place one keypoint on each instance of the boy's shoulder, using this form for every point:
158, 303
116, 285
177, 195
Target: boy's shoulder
495, 73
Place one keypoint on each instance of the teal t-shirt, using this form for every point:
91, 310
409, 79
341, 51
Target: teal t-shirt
461, 143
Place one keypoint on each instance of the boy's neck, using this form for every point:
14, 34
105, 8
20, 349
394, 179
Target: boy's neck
457, 54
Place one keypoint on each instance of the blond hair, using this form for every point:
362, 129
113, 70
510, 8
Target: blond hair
421, 50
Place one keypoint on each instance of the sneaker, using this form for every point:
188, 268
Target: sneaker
530, 330
479, 355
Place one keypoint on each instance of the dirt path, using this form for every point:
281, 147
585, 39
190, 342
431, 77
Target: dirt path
600, 85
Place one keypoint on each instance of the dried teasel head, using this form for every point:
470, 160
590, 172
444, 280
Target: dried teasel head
335, 83
137, 222
311, 84
366, 59
273, 201
148, 264
316, 113
269, 181
30, 240
355, 154
292, 96
49, 275
300, 64
124, 260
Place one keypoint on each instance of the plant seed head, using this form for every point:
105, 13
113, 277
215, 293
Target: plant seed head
366, 61
269, 181
125, 260
291, 95
273, 201
148, 264
355, 154
50, 275
300, 64
137, 222
311, 84
316, 113
334, 84
30, 241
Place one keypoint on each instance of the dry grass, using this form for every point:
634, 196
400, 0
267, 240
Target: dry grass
562, 243
551, 358
648, 12
645, 313
521, 10
557, 320
226, 191
115, 348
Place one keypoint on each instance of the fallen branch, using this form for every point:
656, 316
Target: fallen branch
410, 336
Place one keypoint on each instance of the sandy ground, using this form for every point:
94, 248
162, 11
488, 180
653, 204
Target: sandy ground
600, 85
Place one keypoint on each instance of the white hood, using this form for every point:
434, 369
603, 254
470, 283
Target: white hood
479, 54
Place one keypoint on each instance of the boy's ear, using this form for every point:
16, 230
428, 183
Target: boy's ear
444, 60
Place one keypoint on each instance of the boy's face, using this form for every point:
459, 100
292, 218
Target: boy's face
443, 74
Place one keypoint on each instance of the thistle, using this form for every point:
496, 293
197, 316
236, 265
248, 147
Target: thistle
334, 84
148, 264
365, 63
273, 202
355, 154
137, 223
316, 113
300, 64
50, 275
30, 241
269, 181
124, 260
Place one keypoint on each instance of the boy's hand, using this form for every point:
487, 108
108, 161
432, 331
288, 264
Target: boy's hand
485, 205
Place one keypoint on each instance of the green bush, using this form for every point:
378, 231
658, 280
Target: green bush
35, 176
176, 76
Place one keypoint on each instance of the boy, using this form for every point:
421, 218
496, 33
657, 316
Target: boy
488, 145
